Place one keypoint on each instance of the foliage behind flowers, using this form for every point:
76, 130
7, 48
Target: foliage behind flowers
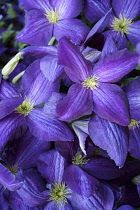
70, 101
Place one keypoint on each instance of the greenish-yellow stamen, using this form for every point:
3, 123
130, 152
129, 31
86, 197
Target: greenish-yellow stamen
121, 24
92, 82
60, 193
12, 168
133, 124
79, 159
52, 16
25, 108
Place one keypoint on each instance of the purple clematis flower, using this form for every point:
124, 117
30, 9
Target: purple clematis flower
132, 90
111, 137
20, 110
94, 90
45, 19
121, 24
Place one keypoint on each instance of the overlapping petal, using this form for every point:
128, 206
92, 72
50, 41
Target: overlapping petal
110, 137
110, 103
102, 167
73, 29
50, 68
77, 103
99, 7
128, 8
42, 5
51, 166
8, 105
103, 198
37, 30
79, 181
67, 9
8, 126
68, 55
46, 128
132, 91
36, 87
115, 66
8, 180
134, 33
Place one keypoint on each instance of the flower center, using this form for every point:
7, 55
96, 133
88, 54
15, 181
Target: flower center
79, 159
60, 193
12, 168
92, 82
52, 16
121, 24
133, 124
25, 108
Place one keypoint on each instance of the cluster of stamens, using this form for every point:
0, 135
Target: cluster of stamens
59, 193
91, 82
52, 16
121, 24
25, 108
79, 159
133, 124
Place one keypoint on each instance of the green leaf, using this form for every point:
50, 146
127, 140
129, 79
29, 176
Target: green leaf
7, 35
11, 12
21, 46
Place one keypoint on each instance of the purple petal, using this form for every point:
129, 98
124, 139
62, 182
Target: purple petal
134, 142
74, 29
8, 126
8, 180
8, 105
100, 25
110, 137
111, 104
53, 206
99, 7
51, 104
67, 9
16, 202
50, 68
36, 86
67, 149
126, 207
45, 163
109, 47
27, 150
6, 91
91, 54
134, 33
39, 51
76, 104
103, 198
132, 90
102, 168
29, 192
81, 129
42, 5
79, 181
37, 30
78, 68
126, 8
114, 67
48, 129
120, 41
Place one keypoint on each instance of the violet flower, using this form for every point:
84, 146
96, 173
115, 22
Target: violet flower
45, 19
121, 24
93, 90
20, 110
132, 90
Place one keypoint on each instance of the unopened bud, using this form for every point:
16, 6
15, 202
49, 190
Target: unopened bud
10, 66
